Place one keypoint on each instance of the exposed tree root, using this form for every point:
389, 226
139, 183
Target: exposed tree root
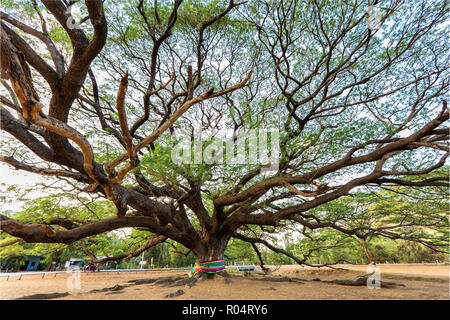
167, 281
159, 281
43, 296
225, 276
184, 282
142, 281
177, 293
117, 287
272, 279
360, 281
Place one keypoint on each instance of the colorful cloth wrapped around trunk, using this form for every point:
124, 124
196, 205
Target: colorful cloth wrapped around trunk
208, 267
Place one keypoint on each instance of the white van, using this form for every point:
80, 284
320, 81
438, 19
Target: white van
74, 263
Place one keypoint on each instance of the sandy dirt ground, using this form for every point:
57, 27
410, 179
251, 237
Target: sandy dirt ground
424, 282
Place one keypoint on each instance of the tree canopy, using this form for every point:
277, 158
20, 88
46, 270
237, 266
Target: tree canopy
97, 95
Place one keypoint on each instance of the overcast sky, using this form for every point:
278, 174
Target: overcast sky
23, 179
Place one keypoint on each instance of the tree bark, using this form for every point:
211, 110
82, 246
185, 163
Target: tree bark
366, 251
211, 249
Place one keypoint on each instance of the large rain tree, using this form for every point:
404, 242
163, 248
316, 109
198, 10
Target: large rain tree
356, 90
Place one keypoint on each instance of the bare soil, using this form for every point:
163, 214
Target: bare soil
424, 282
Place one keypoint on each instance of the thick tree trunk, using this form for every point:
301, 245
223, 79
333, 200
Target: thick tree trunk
210, 250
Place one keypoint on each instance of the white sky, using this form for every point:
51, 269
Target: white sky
10, 176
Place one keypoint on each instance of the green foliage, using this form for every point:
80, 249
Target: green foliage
64, 205
236, 45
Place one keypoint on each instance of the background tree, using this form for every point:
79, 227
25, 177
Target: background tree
93, 105
417, 219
